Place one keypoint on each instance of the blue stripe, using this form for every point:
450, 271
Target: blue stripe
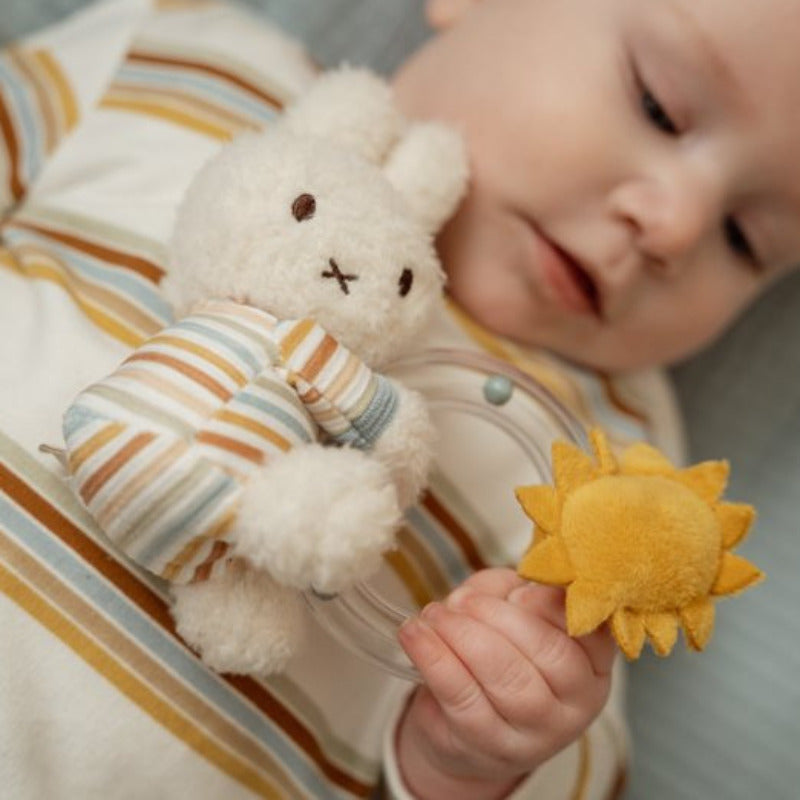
76, 417
235, 348
85, 582
367, 427
275, 412
203, 85
447, 552
605, 414
101, 272
32, 144
222, 487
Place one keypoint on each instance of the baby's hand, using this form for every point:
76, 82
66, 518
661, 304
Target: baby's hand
505, 687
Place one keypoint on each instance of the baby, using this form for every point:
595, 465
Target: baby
634, 187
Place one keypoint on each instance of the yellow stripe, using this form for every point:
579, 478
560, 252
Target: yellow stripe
69, 107
584, 769
295, 337
417, 569
406, 572
226, 415
181, 726
204, 353
43, 271
565, 390
92, 445
479, 334
169, 114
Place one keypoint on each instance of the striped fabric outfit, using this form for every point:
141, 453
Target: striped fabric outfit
160, 450
104, 120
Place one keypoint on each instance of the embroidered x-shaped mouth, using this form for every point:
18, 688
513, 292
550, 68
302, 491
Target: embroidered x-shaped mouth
335, 272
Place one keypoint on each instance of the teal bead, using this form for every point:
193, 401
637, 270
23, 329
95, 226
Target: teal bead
497, 389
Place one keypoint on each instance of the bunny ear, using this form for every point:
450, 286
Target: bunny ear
429, 168
352, 107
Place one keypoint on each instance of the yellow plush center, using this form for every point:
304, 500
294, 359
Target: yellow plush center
650, 540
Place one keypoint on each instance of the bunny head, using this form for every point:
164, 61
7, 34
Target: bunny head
328, 214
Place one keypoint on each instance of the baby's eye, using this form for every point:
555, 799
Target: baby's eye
737, 240
303, 207
656, 114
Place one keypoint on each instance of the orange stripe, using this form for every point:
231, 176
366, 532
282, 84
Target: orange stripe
147, 269
319, 358
232, 446
145, 477
226, 415
174, 568
111, 467
230, 119
93, 444
204, 570
452, 526
12, 147
166, 388
203, 352
194, 374
199, 66
139, 593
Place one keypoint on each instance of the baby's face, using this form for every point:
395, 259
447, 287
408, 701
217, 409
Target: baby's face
636, 181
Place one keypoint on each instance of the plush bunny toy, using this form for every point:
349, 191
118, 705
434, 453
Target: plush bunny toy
249, 451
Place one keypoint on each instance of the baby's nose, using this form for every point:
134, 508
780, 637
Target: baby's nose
669, 218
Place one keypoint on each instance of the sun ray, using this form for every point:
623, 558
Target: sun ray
697, 620
707, 479
642, 459
628, 629
542, 505
606, 462
735, 574
735, 520
662, 628
589, 604
572, 468
548, 562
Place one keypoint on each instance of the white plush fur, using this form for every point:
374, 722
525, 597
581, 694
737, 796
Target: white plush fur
343, 514
318, 517
241, 620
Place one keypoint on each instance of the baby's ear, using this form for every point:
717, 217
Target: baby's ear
351, 107
429, 168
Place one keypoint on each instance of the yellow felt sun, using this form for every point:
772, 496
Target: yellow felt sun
637, 542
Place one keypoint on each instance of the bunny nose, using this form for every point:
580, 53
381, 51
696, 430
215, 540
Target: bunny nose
406, 279
335, 272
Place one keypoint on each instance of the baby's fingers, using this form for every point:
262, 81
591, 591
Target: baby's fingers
510, 683
455, 689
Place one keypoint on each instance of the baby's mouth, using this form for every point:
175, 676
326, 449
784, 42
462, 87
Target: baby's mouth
584, 282
565, 279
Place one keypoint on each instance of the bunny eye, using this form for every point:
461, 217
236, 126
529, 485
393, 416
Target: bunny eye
304, 207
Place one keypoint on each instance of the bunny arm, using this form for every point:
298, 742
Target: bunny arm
154, 494
357, 406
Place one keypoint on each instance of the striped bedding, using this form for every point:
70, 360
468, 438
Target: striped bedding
103, 121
